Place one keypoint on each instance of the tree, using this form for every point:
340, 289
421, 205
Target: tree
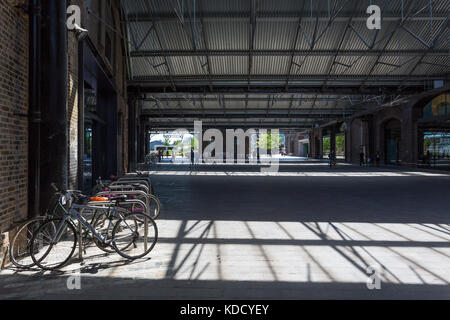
178, 146
340, 144
194, 143
269, 141
326, 145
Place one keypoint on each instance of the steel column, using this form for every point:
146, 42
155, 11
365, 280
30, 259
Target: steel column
53, 99
132, 134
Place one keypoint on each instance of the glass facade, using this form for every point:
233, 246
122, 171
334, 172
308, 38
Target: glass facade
436, 148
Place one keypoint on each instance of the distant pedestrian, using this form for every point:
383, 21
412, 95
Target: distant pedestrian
192, 158
362, 159
378, 158
332, 159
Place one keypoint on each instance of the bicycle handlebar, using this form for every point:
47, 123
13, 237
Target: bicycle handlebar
74, 193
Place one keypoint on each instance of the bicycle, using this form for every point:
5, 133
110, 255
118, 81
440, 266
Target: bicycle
54, 243
19, 249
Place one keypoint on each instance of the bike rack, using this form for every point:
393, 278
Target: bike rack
121, 186
105, 206
145, 182
137, 178
129, 193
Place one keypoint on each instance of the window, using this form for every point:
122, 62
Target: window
439, 106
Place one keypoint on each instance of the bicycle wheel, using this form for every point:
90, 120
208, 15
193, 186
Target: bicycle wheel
155, 207
154, 210
135, 236
53, 244
104, 225
19, 250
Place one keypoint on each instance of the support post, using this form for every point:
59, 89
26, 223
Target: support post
81, 133
53, 99
132, 134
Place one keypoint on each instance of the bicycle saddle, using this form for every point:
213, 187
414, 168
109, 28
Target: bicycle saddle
80, 198
136, 185
119, 198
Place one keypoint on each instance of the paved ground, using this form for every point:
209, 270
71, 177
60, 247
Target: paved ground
308, 232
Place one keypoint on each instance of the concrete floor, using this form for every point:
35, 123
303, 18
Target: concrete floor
307, 232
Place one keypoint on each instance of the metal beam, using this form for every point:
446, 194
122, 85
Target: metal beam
282, 77
287, 16
250, 112
237, 125
269, 88
179, 98
270, 115
308, 52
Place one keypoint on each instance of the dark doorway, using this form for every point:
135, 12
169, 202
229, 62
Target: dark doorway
101, 123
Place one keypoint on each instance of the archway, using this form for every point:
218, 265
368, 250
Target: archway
392, 141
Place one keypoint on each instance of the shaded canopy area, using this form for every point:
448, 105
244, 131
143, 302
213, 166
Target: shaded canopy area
284, 64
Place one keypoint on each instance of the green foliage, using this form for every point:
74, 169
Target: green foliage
427, 143
326, 145
194, 143
177, 143
340, 144
269, 141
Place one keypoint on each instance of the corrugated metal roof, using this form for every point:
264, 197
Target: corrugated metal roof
159, 29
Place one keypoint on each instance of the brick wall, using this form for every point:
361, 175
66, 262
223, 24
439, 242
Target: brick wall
13, 120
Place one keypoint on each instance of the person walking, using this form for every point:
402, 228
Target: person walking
361, 159
332, 159
192, 158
